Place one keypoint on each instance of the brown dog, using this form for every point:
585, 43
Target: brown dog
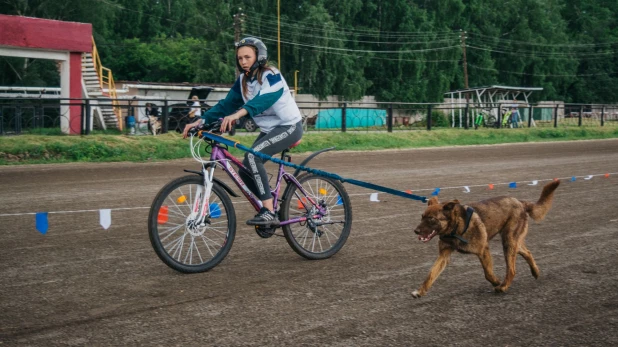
467, 229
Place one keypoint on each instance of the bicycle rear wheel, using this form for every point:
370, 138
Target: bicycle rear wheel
491, 122
322, 237
177, 239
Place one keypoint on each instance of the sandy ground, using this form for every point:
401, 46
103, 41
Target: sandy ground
82, 285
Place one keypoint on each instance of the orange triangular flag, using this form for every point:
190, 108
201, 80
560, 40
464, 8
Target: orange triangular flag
491, 186
409, 191
606, 175
300, 203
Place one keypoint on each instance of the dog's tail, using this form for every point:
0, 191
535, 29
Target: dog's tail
539, 209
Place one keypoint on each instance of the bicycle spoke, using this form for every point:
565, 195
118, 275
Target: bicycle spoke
198, 253
189, 253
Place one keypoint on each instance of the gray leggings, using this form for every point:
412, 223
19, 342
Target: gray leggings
278, 139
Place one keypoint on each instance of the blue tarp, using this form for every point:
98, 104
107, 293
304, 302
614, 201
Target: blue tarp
355, 118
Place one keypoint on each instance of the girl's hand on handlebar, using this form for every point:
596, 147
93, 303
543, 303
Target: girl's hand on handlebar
188, 127
228, 122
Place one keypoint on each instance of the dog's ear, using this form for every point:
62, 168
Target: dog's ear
449, 206
452, 208
433, 201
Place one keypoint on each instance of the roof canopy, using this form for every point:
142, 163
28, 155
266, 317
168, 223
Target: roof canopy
494, 94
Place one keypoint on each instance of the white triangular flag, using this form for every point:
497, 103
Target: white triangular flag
374, 197
105, 216
588, 178
534, 183
467, 189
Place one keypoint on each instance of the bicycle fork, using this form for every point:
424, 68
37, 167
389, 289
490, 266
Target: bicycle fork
201, 204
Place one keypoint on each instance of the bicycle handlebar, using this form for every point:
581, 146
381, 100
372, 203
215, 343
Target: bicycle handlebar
213, 127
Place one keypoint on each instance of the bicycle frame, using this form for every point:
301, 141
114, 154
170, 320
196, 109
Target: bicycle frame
223, 158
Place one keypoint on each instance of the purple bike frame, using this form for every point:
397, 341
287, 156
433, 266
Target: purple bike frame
223, 157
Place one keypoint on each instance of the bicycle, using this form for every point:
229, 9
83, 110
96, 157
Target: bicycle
192, 222
480, 120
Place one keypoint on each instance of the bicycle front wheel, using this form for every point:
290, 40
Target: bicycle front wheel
179, 238
321, 237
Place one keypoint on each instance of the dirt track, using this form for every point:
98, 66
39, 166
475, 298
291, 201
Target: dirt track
82, 285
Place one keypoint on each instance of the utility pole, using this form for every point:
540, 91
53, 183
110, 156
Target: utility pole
465, 61
238, 20
295, 83
279, 35
465, 69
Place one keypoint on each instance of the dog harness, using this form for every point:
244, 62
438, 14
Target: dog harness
453, 234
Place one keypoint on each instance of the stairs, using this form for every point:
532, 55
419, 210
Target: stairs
102, 111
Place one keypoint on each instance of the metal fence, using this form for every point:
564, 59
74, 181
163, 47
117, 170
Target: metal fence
50, 116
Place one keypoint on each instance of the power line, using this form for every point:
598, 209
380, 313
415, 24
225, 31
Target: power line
374, 33
540, 75
363, 50
327, 38
556, 55
485, 37
152, 15
379, 58
531, 54
510, 48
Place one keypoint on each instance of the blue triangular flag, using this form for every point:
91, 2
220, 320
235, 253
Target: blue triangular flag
339, 201
41, 222
573, 179
513, 185
436, 192
215, 210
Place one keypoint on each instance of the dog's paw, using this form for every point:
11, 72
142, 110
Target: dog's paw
500, 289
416, 294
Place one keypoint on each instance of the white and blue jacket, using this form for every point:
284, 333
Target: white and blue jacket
270, 103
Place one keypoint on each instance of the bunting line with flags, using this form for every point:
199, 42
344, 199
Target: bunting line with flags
105, 215
512, 184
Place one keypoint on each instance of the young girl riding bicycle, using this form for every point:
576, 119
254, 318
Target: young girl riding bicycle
261, 93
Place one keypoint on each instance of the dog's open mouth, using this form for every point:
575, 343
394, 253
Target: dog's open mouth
428, 237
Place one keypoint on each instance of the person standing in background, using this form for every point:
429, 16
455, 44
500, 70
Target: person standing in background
196, 108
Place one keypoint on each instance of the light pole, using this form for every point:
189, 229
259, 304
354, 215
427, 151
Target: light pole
295, 83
